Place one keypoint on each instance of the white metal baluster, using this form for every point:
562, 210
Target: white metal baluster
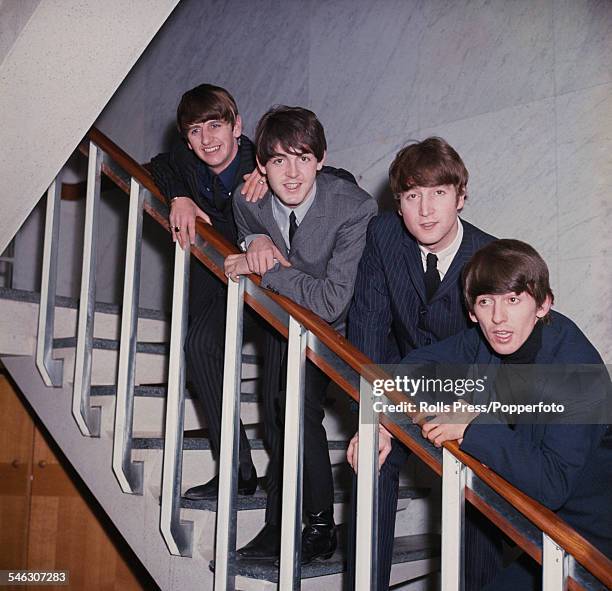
88, 418
128, 473
50, 369
367, 491
291, 524
177, 534
225, 547
454, 475
555, 566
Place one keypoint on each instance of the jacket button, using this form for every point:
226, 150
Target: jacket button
423, 311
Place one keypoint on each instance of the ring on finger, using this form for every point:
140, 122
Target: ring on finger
261, 182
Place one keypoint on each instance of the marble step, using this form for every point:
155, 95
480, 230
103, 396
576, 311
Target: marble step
258, 500
406, 549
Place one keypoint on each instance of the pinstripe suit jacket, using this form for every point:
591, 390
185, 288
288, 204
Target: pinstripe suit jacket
390, 315
326, 247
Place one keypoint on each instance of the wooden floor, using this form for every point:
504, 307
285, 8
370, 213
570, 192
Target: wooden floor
45, 521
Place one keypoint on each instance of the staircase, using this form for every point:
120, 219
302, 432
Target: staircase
137, 440
137, 517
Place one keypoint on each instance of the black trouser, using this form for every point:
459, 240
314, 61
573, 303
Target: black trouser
483, 558
318, 488
204, 353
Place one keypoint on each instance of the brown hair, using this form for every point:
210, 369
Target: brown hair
295, 129
204, 103
504, 266
427, 164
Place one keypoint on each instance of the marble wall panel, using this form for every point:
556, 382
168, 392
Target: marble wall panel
481, 56
583, 293
258, 51
363, 66
583, 43
584, 121
510, 155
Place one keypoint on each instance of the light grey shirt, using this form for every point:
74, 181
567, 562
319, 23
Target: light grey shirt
281, 214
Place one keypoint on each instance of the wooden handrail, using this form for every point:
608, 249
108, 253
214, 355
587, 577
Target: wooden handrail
592, 559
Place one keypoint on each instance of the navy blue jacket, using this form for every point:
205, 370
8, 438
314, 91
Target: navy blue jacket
390, 315
567, 468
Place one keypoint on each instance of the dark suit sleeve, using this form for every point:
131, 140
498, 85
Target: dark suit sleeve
328, 296
245, 220
168, 171
369, 321
341, 173
548, 471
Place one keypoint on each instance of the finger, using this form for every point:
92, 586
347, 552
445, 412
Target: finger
191, 231
278, 255
203, 216
260, 190
382, 456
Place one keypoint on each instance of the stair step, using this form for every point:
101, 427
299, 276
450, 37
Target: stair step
258, 500
203, 443
154, 348
160, 392
405, 549
33, 297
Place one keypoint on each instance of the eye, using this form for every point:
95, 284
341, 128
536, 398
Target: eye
514, 299
483, 301
215, 125
440, 192
305, 158
410, 196
194, 131
277, 161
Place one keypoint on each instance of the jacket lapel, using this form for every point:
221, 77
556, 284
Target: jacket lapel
414, 266
266, 219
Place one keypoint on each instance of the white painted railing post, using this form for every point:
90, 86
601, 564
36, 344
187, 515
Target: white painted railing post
50, 369
555, 566
225, 547
128, 473
454, 475
88, 418
366, 551
289, 577
177, 534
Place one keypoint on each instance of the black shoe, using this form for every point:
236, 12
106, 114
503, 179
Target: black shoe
319, 536
264, 546
209, 490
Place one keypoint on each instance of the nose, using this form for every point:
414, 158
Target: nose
292, 168
499, 313
424, 206
206, 137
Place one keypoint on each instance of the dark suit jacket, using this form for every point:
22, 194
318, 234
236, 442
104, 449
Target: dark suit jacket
566, 467
326, 247
390, 316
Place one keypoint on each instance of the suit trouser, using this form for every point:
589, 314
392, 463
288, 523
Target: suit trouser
483, 558
318, 489
204, 353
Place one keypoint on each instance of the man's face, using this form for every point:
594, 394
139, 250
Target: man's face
291, 176
507, 320
215, 142
430, 214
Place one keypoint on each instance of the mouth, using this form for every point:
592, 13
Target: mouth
503, 336
292, 187
211, 150
428, 225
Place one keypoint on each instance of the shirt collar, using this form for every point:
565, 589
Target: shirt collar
445, 256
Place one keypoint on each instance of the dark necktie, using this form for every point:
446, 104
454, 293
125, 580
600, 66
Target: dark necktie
432, 277
292, 227
219, 197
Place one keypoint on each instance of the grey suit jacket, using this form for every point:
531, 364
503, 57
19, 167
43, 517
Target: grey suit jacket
326, 247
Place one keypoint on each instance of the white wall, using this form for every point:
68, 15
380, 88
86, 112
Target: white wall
62, 67
522, 89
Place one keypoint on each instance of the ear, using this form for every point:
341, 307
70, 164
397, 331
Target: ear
544, 308
237, 131
460, 200
473, 317
260, 166
320, 162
